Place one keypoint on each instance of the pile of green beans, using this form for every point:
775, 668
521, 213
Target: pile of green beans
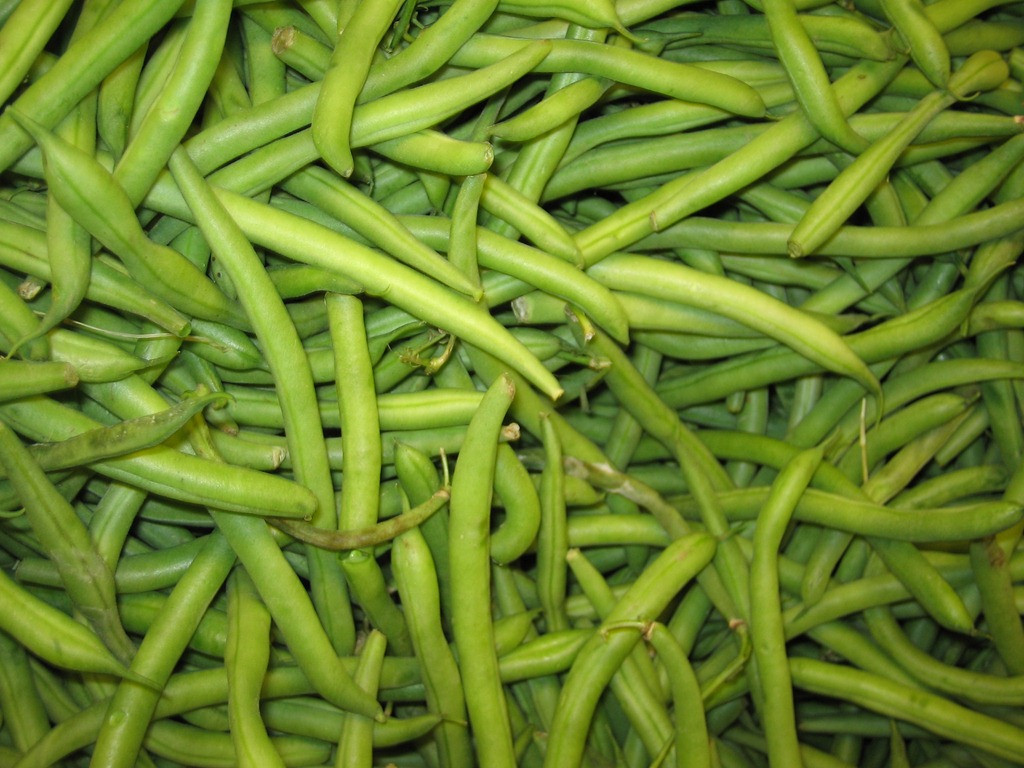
540, 383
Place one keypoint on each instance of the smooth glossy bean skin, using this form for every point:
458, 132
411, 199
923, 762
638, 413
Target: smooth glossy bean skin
24, 714
181, 95
376, 223
73, 76
602, 653
355, 744
766, 625
161, 470
286, 360
635, 684
132, 705
738, 303
851, 187
404, 288
417, 584
344, 79
624, 66
932, 712
677, 199
21, 378
513, 486
799, 56
967, 521
927, 48
469, 555
246, 655
53, 635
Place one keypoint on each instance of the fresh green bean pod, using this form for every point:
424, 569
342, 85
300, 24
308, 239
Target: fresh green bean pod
926, 46
80, 69
246, 655
982, 72
602, 653
21, 378
350, 64
469, 551
932, 712
417, 584
355, 744
65, 539
75, 178
672, 79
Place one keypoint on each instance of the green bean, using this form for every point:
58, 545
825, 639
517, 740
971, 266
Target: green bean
927, 710
127, 437
23, 36
404, 288
166, 120
52, 635
844, 35
602, 653
799, 55
635, 684
620, 163
19, 378
357, 403
286, 359
132, 705
418, 586
375, 223
312, 718
431, 49
246, 655
355, 744
980, 73
624, 66
285, 597
25, 717
553, 537
508, 204
116, 100
469, 553
75, 178
819, 507
343, 80
552, 111
766, 627
80, 69
513, 486
68, 244
675, 200
209, 749
549, 273
165, 471
65, 539
692, 744
106, 285
989, 564
964, 684
462, 238
771, 317
367, 537
925, 44
418, 478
